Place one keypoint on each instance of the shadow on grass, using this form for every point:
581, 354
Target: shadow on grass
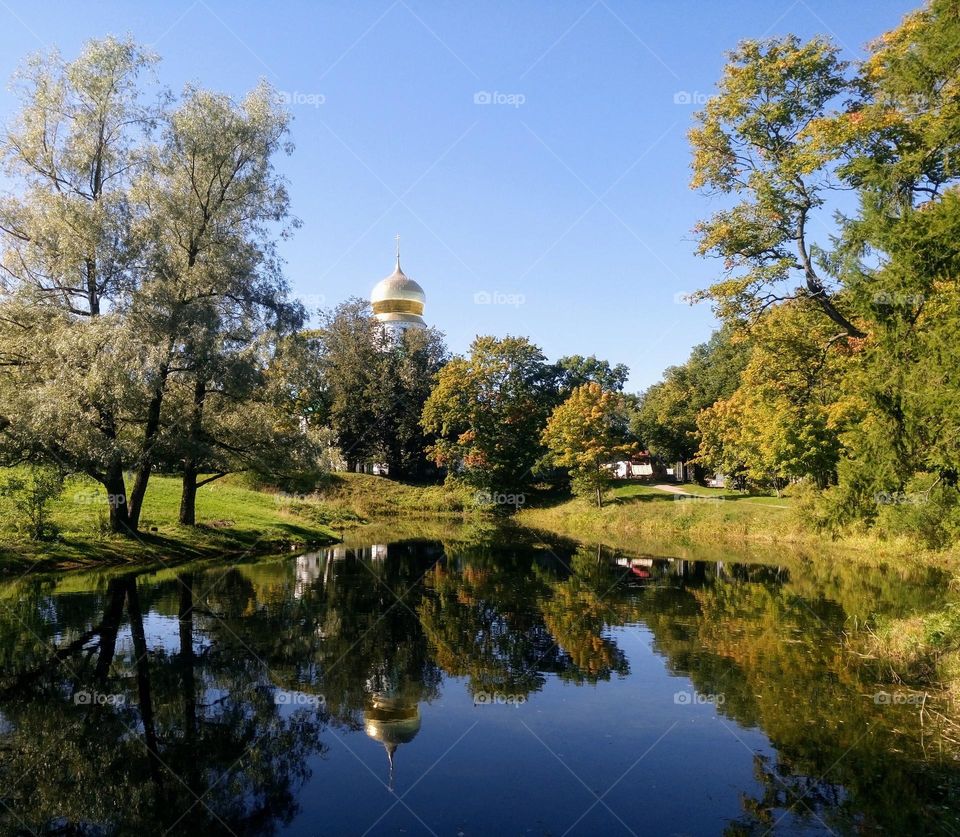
202, 541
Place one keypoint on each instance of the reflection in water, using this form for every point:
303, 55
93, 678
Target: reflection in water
391, 720
208, 699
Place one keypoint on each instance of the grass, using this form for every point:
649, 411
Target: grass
233, 520
367, 497
636, 514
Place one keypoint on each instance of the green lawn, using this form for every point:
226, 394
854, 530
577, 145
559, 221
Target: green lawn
638, 516
232, 520
627, 489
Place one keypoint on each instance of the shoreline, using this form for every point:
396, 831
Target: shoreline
238, 521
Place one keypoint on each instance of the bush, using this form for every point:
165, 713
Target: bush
924, 509
28, 493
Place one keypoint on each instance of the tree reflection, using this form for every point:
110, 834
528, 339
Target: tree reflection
144, 740
165, 701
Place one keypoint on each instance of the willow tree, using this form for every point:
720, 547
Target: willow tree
128, 261
216, 293
72, 370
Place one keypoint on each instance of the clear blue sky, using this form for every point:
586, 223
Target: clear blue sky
565, 197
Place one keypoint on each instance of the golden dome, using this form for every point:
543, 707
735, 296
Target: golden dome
398, 299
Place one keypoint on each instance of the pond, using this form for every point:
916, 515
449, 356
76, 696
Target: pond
469, 683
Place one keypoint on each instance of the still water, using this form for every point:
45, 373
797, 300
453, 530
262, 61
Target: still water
472, 684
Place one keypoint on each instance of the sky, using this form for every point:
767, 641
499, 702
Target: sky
531, 155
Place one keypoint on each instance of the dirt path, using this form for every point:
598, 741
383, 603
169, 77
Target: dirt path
675, 489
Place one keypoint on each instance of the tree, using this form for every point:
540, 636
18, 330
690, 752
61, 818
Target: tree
586, 433
786, 418
371, 387
403, 381
74, 377
575, 370
29, 492
488, 410
217, 297
756, 141
666, 417
902, 262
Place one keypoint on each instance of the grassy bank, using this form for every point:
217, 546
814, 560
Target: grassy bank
362, 496
233, 520
635, 514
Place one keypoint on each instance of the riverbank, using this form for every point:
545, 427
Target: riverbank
634, 514
232, 521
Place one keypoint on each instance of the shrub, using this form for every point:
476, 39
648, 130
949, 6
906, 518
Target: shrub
28, 492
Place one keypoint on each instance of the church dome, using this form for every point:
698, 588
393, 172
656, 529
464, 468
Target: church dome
398, 300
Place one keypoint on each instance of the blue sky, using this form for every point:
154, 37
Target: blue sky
532, 155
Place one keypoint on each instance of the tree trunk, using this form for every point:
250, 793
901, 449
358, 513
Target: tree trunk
145, 465
186, 657
188, 495
117, 500
110, 627
599, 498
191, 465
144, 691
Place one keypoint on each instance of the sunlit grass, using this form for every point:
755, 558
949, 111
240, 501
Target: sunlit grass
231, 519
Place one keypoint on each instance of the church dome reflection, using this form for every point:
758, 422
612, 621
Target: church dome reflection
392, 720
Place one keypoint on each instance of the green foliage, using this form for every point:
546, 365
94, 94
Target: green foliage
28, 493
587, 432
851, 382
370, 387
488, 410
143, 297
784, 420
755, 141
575, 370
666, 418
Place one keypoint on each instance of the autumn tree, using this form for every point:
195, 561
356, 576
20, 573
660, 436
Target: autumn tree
488, 410
586, 433
755, 142
901, 255
666, 418
786, 417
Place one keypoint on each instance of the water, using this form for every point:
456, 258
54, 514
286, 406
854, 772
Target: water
482, 683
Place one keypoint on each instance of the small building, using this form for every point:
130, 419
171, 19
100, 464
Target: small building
636, 467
